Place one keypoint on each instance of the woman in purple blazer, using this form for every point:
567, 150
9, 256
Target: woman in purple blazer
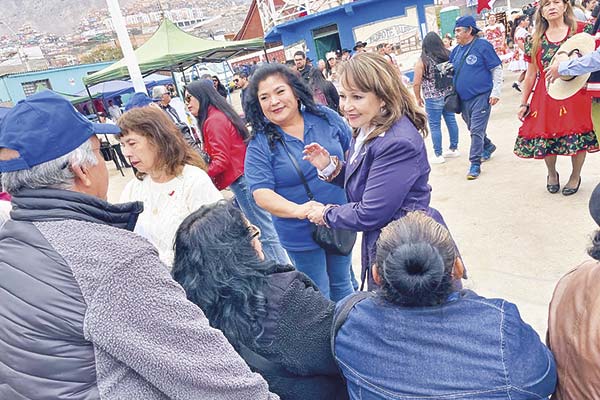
387, 169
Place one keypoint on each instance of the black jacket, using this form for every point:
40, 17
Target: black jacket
297, 337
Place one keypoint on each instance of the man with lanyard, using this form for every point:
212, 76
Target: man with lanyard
477, 80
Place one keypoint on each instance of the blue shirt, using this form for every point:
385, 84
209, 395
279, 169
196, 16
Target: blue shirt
467, 348
271, 168
474, 76
579, 66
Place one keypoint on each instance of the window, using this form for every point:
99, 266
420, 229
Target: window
35, 86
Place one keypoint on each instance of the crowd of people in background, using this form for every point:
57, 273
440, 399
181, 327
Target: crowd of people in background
175, 292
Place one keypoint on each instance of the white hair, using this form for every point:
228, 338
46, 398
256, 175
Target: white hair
54, 174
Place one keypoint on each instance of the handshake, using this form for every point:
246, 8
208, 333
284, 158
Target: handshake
311, 210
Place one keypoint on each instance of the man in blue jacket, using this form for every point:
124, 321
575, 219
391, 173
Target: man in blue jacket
88, 309
477, 79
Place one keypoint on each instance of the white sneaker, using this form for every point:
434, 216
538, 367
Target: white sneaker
451, 153
437, 160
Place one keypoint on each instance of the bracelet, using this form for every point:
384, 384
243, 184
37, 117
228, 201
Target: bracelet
524, 105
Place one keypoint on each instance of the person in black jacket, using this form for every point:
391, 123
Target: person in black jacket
273, 315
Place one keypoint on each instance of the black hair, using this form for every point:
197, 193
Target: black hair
415, 258
242, 74
254, 113
221, 272
300, 53
207, 95
433, 49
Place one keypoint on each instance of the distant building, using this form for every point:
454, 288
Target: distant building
68, 80
320, 26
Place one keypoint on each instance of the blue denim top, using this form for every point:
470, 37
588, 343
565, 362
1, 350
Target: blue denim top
468, 348
271, 168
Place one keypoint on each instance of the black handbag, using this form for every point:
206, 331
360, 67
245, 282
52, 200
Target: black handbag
337, 241
452, 101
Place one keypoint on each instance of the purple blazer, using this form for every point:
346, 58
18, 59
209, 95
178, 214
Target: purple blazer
387, 180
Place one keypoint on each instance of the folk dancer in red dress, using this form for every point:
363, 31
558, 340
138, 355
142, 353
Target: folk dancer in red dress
495, 33
518, 63
554, 127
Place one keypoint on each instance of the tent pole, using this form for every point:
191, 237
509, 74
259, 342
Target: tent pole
266, 55
87, 89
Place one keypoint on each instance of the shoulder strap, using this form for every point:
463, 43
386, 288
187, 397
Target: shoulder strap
340, 317
298, 170
463, 58
263, 365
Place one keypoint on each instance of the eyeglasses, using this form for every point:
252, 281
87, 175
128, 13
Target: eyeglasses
187, 99
236, 80
254, 231
215, 81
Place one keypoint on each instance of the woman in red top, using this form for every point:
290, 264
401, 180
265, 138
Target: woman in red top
554, 127
224, 135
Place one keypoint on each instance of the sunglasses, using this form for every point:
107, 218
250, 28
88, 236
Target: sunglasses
236, 80
187, 99
254, 231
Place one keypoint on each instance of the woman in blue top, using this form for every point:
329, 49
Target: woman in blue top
283, 115
419, 337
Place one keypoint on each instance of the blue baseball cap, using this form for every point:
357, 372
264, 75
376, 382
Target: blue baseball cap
466, 21
44, 127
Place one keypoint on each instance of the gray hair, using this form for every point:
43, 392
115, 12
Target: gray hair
54, 174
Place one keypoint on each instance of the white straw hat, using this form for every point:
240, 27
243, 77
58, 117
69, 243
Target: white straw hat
576, 46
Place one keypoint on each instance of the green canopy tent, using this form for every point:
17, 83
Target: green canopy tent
171, 49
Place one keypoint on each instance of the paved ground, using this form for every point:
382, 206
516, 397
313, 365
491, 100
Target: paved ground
516, 239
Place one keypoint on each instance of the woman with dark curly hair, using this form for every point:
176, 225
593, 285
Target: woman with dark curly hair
573, 323
224, 135
421, 337
284, 117
273, 315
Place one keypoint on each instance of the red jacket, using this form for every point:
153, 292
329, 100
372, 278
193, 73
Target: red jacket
225, 147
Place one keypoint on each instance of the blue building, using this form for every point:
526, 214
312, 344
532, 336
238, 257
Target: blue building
402, 23
68, 80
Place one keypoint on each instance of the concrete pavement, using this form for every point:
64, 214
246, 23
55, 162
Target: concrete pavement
516, 239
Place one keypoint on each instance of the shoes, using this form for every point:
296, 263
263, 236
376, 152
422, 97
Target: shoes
516, 86
487, 153
569, 191
437, 160
553, 188
474, 172
451, 153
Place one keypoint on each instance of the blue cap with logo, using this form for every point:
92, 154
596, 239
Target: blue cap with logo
466, 21
44, 127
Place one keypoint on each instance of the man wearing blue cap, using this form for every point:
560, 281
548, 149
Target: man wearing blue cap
88, 309
477, 80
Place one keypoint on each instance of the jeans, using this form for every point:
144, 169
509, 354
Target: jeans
330, 272
262, 219
476, 114
435, 110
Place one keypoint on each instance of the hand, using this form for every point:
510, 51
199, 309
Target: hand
552, 73
316, 215
318, 156
522, 113
302, 210
494, 101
